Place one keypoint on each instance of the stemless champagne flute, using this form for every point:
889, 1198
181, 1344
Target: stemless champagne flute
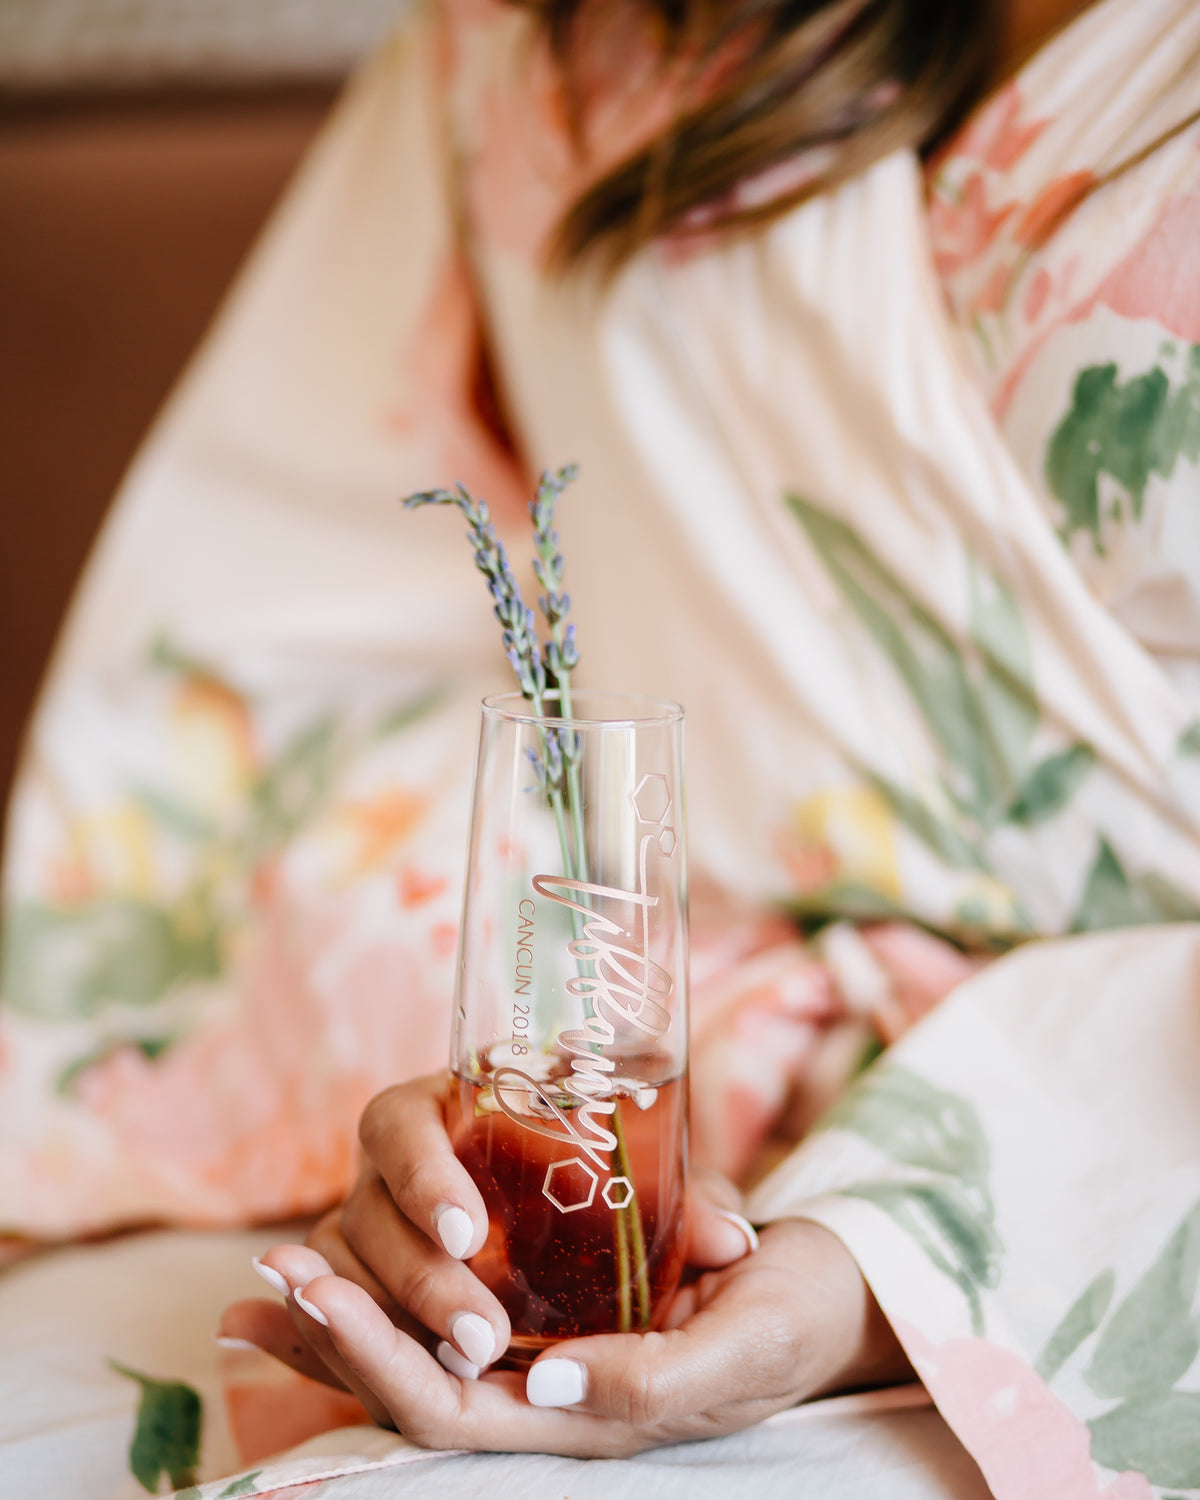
568, 1103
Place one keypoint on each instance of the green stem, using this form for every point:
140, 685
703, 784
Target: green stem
633, 1213
574, 790
623, 1287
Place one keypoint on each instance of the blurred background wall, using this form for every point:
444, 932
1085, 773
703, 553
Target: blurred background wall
142, 144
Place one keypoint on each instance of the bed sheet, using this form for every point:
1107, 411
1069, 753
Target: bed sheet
112, 1387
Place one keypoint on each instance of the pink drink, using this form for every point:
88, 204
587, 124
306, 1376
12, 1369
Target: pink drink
578, 1245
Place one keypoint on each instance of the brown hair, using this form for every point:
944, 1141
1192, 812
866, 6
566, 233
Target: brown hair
845, 81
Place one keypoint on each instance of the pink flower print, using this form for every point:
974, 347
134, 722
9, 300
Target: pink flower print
1160, 277
811, 865
530, 164
444, 939
382, 824
922, 969
1028, 1443
993, 295
1009, 138
1036, 295
415, 888
995, 135
762, 1021
962, 230
68, 878
1050, 208
254, 1114
526, 168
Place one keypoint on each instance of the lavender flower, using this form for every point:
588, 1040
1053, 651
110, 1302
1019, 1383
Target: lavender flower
519, 629
534, 669
560, 654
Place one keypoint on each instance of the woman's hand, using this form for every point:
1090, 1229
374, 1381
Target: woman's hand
382, 1282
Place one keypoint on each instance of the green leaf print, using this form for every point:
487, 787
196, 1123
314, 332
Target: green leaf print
1189, 740
1111, 899
1153, 1337
1081, 1320
149, 1047
947, 1226
166, 1439
1007, 702
1147, 1346
916, 1123
406, 714
936, 833
69, 963
919, 648
1127, 431
291, 789
950, 1213
244, 1485
1050, 785
1159, 1438
168, 812
74, 960
977, 701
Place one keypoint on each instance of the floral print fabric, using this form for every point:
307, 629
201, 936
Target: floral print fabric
907, 535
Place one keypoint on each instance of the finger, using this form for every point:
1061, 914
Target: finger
403, 1132
718, 1234
328, 1239
290, 1268
420, 1396
269, 1327
440, 1293
433, 1408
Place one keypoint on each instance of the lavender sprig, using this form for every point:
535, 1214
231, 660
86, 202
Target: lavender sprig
560, 654
519, 628
557, 768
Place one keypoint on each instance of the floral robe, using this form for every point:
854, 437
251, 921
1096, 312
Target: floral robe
899, 496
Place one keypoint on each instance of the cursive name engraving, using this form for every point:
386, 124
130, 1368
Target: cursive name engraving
625, 985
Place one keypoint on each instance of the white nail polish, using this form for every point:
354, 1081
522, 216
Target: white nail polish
227, 1341
555, 1382
455, 1230
450, 1359
744, 1225
272, 1277
474, 1337
313, 1311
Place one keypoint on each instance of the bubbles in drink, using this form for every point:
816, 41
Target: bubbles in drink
582, 1239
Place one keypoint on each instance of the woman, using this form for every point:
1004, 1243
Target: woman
897, 482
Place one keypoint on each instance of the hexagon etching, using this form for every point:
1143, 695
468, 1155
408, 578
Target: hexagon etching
651, 799
572, 1179
618, 1192
666, 843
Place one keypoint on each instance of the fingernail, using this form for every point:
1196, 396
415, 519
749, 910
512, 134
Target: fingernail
455, 1230
450, 1359
474, 1337
272, 1277
309, 1308
748, 1230
555, 1382
227, 1341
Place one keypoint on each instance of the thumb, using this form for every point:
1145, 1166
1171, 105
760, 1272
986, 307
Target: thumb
718, 1234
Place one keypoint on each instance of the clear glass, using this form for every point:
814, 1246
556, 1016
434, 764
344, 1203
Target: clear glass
569, 1055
